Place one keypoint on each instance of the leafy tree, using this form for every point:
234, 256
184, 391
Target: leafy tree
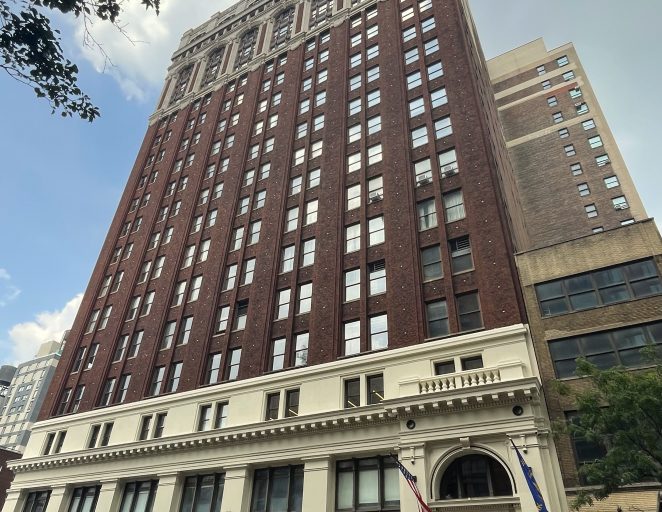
621, 410
30, 50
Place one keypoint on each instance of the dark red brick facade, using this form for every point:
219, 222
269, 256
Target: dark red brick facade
484, 177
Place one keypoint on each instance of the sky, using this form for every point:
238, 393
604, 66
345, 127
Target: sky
61, 178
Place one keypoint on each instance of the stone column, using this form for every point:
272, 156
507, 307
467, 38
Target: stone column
58, 502
167, 499
316, 484
13, 503
109, 495
236, 493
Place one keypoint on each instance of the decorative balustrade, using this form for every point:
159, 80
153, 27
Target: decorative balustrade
467, 379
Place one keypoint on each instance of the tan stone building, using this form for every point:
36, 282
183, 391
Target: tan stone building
591, 276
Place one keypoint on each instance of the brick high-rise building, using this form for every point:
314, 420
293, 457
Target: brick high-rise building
311, 270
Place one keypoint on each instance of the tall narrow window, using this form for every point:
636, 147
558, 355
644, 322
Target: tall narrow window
352, 337
180, 85
461, 258
427, 214
454, 205
320, 11
437, 318
246, 48
301, 349
213, 65
468, 307
282, 28
378, 332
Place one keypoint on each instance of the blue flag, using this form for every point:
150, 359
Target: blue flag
531, 481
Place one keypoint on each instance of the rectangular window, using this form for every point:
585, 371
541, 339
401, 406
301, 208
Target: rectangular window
454, 205
352, 393
279, 488
595, 142
583, 189
353, 238
305, 298
248, 271
241, 312
352, 285
377, 277
427, 214
203, 493
352, 337
569, 150
283, 303
468, 307
370, 484
431, 263
588, 125
378, 332
611, 182
301, 349
234, 358
292, 403
272, 406
84, 499
37, 501
591, 210
157, 379
139, 496
123, 388
599, 288
287, 259
606, 349
174, 375
375, 389
213, 370
437, 318
376, 232
278, 354
461, 258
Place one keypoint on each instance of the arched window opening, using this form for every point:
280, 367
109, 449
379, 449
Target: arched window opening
246, 48
474, 476
282, 27
213, 66
181, 84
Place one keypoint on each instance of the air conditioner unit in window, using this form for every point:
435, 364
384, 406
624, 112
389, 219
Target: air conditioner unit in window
622, 206
448, 170
423, 181
376, 196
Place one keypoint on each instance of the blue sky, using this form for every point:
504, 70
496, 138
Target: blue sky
61, 179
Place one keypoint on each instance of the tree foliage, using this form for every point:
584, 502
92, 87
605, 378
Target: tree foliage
30, 49
622, 410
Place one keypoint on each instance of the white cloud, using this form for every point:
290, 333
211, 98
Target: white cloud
25, 338
8, 291
141, 59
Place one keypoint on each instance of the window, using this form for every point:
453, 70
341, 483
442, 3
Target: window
431, 263
213, 369
599, 288
352, 337
374, 154
431, 46
557, 117
372, 74
591, 210
454, 205
583, 189
427, 214
37, 501
570, 150
308, 252
562, 61
564, 133
84, 499
203, 493
546, 84
588, 125
373, 98
474, 476
279, 488
416, 107
605, 349
375, 389
78, 362
305, 298
354, 197
461, 258
568, 75
237, 237
540, 70
438, 97
437, 318
241, 312
234, 358
595, 142
581, 108
248, 272
468, 307
575, 93
419, 136
139, 496
353, 238
414, 80
352, 285
301, 349
287, 259
370, 484
278, 355
374, 125
611, 182
174, 375
376, 230
353, 162
177, 299
272, 406
435, 70
254, 232
408, 34
314, 177
283, 303
157, 378
292, 219
168, 334
602, 160
411, 56
378, 332
576, 169
620, 203
352, 393
552, 101
377, 277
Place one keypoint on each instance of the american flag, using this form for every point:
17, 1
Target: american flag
411, 482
